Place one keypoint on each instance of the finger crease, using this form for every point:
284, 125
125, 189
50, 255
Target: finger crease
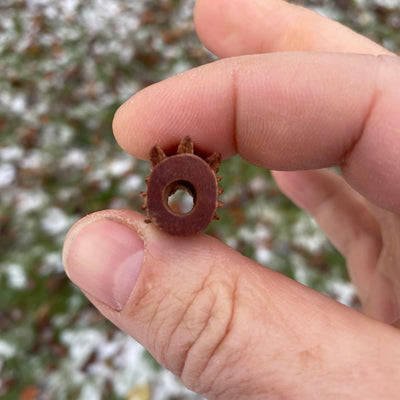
344, 159
222, 338
194, 342
179, 325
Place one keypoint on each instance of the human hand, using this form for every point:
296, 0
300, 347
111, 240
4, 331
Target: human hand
228, 327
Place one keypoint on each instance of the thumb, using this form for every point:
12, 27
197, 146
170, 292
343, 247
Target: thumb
229, 328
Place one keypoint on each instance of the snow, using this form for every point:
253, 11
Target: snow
131, 184
7, 350
74, 159
30, 200
8, 174
15, 274
11, 153
55, 221
120, 167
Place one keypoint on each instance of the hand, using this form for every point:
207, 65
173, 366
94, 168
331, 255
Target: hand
228, 327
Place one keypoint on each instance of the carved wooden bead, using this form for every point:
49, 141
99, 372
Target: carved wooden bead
186, 171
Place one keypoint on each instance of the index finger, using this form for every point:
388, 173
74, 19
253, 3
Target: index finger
283, 111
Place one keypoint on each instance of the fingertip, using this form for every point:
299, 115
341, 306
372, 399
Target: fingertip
296, 186
291, 182
219, 25
132, 124
196, 103
309, 188
103, 255
210, 22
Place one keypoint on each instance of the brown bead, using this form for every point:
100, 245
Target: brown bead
186, 171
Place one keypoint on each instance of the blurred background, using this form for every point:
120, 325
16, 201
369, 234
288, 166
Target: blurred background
65, 67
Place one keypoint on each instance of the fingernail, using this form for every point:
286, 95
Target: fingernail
104, 259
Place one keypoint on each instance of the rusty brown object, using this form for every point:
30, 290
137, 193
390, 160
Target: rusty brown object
184, 170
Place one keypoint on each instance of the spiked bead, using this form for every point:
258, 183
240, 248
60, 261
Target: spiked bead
187, 171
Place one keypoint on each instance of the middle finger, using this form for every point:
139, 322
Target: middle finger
241, 27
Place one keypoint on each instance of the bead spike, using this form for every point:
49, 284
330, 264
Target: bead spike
186, 146
156, 156
214, 161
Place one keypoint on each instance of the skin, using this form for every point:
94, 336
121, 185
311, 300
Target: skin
302, 93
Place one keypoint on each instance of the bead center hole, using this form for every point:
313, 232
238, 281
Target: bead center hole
180, 197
